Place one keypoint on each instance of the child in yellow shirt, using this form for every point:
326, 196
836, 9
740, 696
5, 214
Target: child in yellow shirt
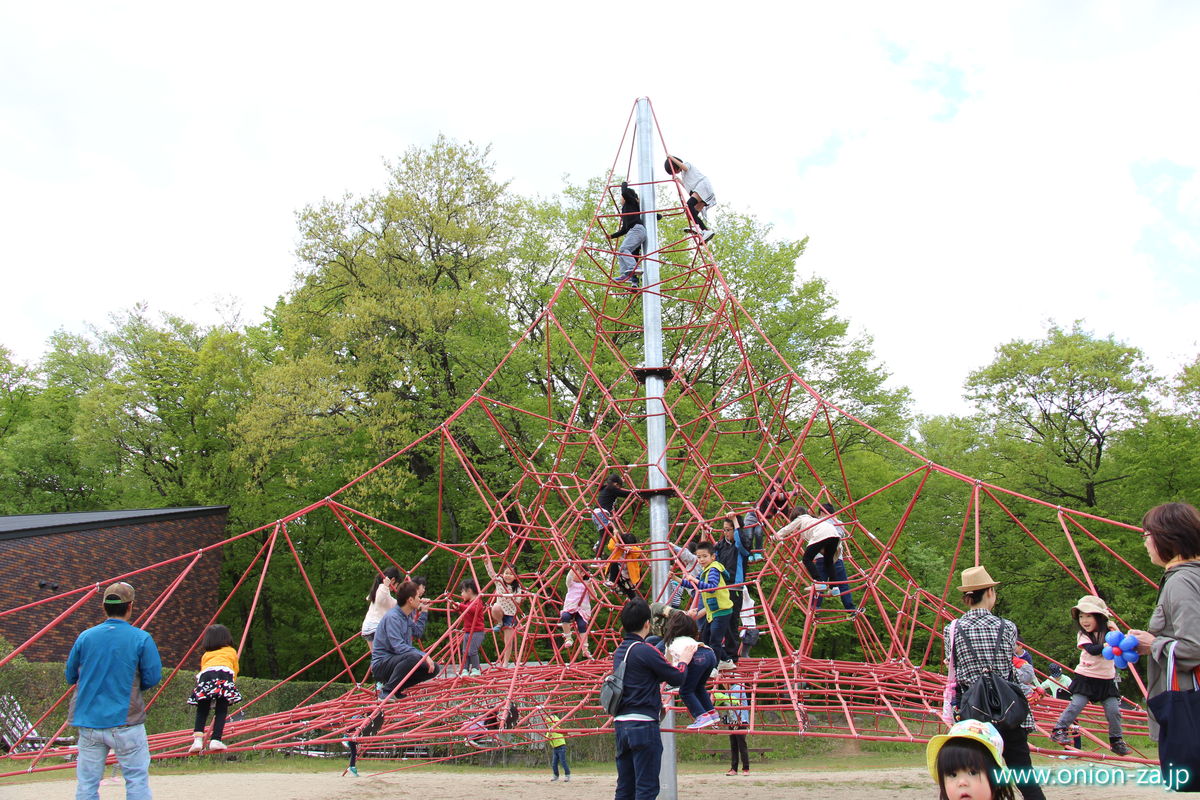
214, 686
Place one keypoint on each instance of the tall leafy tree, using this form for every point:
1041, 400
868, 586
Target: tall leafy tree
1053, 405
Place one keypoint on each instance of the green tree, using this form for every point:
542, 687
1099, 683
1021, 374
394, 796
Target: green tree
1052, 407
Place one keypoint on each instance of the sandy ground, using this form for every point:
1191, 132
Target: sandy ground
891, 784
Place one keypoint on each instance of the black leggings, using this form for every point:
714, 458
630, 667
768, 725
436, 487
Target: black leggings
692, 202
222, 711
737, 746
827, 548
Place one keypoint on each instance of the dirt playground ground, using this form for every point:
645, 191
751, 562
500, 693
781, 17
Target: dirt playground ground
907, 783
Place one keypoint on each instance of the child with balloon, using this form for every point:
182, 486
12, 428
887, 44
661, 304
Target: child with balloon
1095, 677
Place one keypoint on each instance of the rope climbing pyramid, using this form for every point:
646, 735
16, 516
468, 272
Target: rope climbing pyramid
851, 656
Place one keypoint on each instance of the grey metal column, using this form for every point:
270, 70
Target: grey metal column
656, 420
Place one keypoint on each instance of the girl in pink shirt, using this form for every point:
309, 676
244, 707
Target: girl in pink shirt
1095, 677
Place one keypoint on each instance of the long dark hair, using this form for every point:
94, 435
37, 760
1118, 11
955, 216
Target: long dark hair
677, 625
216, 637
392, 572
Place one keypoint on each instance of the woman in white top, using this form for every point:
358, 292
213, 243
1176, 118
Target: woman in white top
699, 191
380, 600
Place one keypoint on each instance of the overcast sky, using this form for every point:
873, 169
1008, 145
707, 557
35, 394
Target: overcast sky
965, 173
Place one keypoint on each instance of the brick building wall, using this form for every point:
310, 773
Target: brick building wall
30, 566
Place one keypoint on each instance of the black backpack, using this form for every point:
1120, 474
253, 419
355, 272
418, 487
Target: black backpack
612, 688
992, 698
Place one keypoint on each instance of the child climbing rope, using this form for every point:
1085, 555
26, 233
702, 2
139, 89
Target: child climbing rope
635, 236
681, 633
380, 600
1095, 677
774, 501
714, 598
215, 687
576, 611
699, 191
470, 610
602, 515
819, 537
507, 589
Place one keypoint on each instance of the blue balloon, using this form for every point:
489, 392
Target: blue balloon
1131, 657
1120, 662
1128, 644
1114, 638
1108, 653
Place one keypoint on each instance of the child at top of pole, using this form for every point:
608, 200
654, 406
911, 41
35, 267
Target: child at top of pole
635, 236
699, 191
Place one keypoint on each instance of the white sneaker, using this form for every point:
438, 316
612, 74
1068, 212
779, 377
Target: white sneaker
197, 744
726, 665
216, 745
708, 234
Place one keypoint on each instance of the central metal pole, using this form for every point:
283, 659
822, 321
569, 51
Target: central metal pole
656, 417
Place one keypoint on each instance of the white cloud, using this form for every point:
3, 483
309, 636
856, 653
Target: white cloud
976, 177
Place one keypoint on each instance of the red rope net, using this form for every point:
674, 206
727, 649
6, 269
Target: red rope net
740, 420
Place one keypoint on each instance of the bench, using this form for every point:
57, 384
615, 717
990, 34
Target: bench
17, 734
724, 751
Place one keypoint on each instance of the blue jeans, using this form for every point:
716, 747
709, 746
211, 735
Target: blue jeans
639, 756
838, 579
129, 745
559, 756
716, 633
694, 689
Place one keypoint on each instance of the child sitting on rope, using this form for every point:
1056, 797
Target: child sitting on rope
699, 191
635, 236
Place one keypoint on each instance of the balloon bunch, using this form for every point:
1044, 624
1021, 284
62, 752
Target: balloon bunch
1120, 648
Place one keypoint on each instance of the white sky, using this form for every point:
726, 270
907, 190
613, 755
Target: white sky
965, 173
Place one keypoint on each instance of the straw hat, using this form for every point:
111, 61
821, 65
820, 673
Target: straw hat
1090, 604
976, 578
983, 732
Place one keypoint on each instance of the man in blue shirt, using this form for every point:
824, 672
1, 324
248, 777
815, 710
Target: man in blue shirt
639, 742
395, 662
110, 666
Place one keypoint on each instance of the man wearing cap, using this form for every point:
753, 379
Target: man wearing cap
979, 642
110, 665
